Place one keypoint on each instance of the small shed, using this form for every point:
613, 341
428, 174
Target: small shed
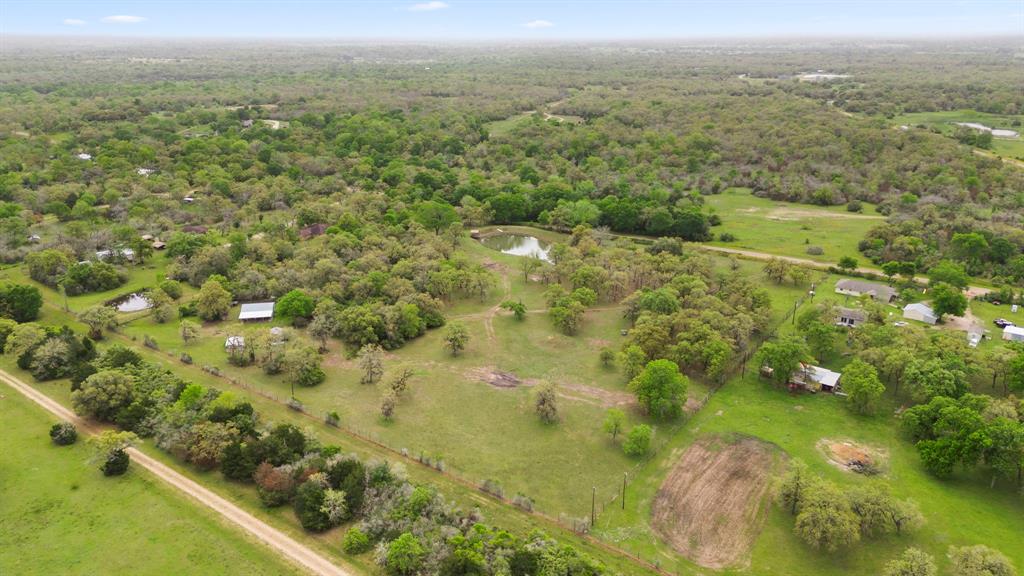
921, 312
234, 343
116, 253
35, 238
83, 156
1013, 333
973, 339
144, 171
159, 245
147, 237
188, 199
312, 230
474, 234
815, 378
256, 311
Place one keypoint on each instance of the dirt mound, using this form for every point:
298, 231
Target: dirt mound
494, 377
710, 507
852, 457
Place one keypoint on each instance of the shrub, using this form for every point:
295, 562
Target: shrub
309, 503
116, 463
727, 237
854, 206
638, 441
295, 404
63, 434
149, 342
185, 358
171, 288
274, 486
356, 541
815, 250
332, 419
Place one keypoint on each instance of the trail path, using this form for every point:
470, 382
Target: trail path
285, 545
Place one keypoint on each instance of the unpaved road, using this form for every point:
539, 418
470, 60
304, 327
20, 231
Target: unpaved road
285, 545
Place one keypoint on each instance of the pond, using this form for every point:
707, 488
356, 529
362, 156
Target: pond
132, 303
518, 245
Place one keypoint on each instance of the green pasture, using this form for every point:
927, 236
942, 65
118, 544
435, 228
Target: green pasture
944, 122
787, 228
61, 516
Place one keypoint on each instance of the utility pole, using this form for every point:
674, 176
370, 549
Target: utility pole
624, 490
593, 506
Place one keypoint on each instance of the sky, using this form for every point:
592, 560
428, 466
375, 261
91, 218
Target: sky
512, 19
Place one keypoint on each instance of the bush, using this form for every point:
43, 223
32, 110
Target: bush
355, 542
116, 463
727, 237
309, 501
171, 288
185, 358
638, 441
332, 419
854, 206
63, 434
815, 250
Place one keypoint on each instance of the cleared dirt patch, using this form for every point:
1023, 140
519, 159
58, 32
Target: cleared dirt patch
495, 377
852, 457
710, 507
797, 214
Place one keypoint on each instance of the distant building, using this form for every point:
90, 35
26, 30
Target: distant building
188, 199
312, 231
247, 123
973, 339
34, 239
83, 156
147, 237
474, 234
234, 343
850, 316
876, 291
144, 171
256, 311
921, 312
1013, 333
117, 254
159, 245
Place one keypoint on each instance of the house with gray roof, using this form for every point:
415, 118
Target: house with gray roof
256, 311
857, 288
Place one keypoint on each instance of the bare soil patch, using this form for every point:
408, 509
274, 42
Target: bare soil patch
852, 457
494, 377
797, 213
711, 506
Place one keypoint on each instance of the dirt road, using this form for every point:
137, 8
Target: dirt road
972, 291
285, 545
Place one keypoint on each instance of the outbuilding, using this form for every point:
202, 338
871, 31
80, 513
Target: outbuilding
234, 343
850, 316
256, 311
1013, 333
921, 312
815, 378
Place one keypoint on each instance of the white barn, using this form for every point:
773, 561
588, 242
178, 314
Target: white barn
921, 312
256, 311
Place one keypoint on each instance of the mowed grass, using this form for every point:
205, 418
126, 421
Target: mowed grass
788, 229
61, 516
959, 511
945, 122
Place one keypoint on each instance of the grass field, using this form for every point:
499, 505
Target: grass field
944, 122
788, 229
61, 516
958, 511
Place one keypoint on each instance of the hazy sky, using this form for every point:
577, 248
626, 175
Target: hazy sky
501, 19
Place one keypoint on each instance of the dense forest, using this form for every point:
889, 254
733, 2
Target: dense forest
626, 138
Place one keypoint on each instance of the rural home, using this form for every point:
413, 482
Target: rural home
312, 231
256, 311
879, 292
118, 253
815, 378
84, 156
921, 312
1013, 333
159, 245
850, 316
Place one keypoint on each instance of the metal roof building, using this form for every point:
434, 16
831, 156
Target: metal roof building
257, 311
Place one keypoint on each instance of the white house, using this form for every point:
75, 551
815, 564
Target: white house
83, 156
125, 253
1013, 333
256, 311
973, 339
879, 292
921, 312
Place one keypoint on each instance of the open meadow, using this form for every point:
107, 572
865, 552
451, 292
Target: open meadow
61, 516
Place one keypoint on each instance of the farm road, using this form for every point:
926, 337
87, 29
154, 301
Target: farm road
301, 555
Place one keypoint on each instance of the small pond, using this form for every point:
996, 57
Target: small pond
518, 245
132, 303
